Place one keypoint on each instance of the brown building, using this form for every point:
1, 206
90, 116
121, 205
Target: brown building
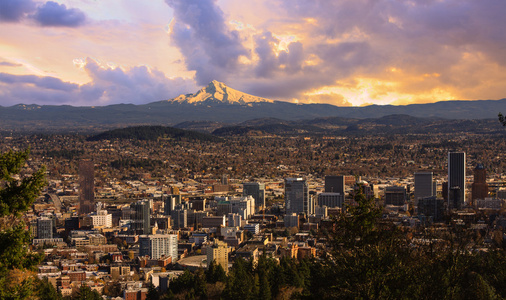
86, 186
480, 186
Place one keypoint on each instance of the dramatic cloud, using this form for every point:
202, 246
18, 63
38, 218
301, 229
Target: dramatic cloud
137, 85
45, 14
209, 47
15, 10
54, 14
412, 51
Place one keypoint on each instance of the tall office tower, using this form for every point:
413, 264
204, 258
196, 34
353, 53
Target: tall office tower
141, 217
424, 185
45, 228
395, 195
255, 190
456, 179
179, 218
158, 245
334, 184
170, 203
480, 186
297, 198
86, 186
218, 252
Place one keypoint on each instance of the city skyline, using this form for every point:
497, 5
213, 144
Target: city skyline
344, 53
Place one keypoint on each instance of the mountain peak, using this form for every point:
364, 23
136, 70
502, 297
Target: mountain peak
218, 92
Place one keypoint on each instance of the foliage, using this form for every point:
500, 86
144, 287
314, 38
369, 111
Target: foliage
502, 119
17, 193
46, 291
86, 293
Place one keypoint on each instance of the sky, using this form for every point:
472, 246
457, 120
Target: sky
341, 52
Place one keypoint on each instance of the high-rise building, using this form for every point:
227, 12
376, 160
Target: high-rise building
456, 179
170, 203
255, 190
179, 218
141, 217
431, 207
86, 186
297, 198
334, 184
158, 245
218, 252
480, 186
331, 200
424, 185
45, 228
395, 195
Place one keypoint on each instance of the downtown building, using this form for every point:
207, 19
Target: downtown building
86, 186
255, 190
297, 198
456, 180
141, 217
158, 245
425, 186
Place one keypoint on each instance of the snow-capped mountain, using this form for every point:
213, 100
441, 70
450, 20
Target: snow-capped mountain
218, 92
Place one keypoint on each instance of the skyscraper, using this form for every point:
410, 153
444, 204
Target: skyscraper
141, 217
297, 198
424, 185
334, 184
480, 186
456, 179
86, 186
256, 190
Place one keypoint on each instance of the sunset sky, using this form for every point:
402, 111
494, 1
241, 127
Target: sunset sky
342, 52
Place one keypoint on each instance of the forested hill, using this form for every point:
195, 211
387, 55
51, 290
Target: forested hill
150, 133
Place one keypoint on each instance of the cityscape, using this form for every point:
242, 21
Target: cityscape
126, 218
256, 150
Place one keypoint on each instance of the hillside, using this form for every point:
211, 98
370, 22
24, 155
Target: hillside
151, 133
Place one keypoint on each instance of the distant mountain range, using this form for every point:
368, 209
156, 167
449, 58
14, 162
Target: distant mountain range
217, 105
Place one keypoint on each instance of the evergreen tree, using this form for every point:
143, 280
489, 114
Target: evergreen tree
46, 291
86, 293
16, 197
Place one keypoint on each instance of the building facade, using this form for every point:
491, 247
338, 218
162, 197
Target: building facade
297, 198
255, 190
158, 245
86, 186
456, 180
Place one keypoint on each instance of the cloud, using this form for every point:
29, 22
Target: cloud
331, 98
137, 85
210, 48
15, 10
54, 14
8, 64
46, 14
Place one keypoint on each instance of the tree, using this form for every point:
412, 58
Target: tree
86, 293
502, 119
46, 291
17, 193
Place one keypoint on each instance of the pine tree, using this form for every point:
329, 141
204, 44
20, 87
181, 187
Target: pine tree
16, 197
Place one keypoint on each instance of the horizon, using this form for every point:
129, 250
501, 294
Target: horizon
343, 53
274, 100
